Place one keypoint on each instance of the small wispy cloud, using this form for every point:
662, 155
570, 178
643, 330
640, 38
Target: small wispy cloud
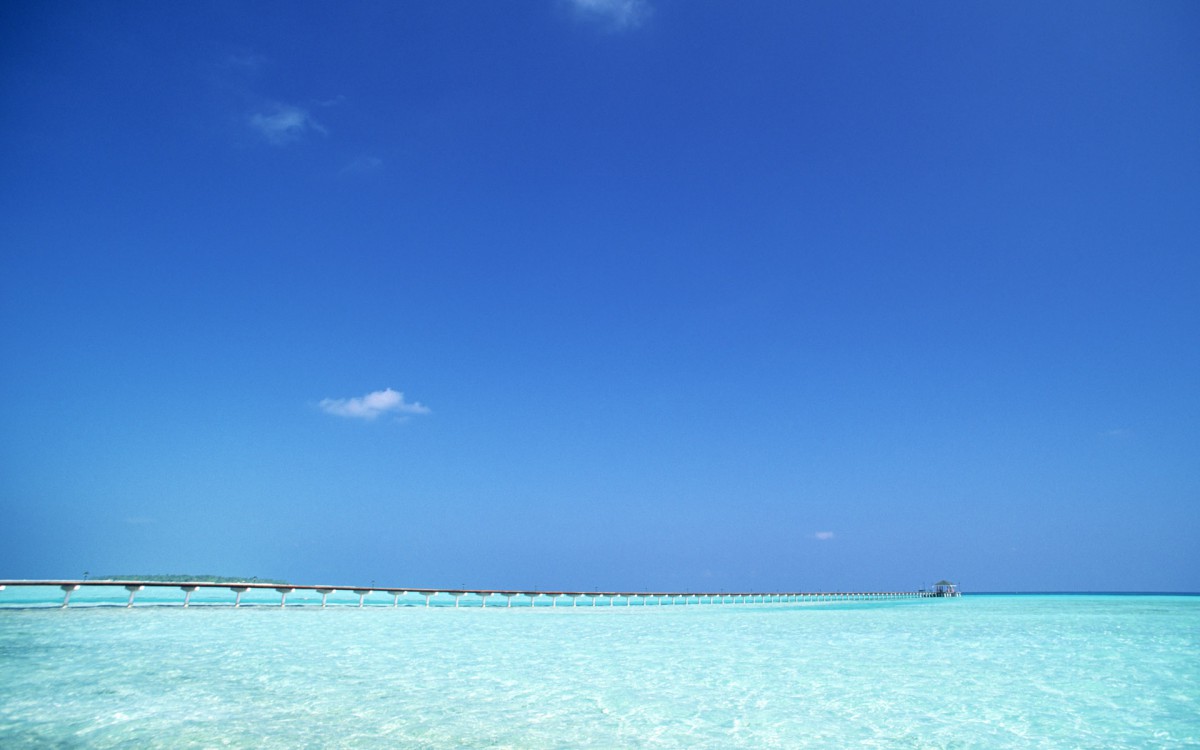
1116, 432
363, 165
823, 536
283, 124
248, 62
616, 14
372, 405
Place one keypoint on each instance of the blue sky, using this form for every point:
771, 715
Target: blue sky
616, 293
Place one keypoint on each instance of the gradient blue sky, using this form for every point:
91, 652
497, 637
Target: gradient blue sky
771, 295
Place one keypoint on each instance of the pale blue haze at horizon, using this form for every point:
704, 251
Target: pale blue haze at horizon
680, 295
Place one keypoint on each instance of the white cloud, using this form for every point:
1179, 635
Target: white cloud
251, 63
619, 14
284, 124
362, 165
372, 405
824, 536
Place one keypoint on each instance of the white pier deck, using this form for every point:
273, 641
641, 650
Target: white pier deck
524, 597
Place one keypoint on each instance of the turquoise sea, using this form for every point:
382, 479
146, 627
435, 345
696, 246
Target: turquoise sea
1052, 671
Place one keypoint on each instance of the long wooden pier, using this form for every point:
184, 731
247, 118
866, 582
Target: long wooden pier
524, 597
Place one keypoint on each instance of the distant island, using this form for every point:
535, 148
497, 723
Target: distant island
188, 579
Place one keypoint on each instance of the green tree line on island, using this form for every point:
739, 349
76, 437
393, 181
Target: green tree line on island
187, 579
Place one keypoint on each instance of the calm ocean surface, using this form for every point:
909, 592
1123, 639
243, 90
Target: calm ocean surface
977, 672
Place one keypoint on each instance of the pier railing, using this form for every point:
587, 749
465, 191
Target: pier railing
524, 597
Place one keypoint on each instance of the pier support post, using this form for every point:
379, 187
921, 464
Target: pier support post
67, 589
484, 598
457, 596
187, 594
237, 600
324, 595
132, 591
362, 594
429, 595
283, 592
396, 598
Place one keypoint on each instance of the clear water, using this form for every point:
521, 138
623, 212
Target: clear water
978, 672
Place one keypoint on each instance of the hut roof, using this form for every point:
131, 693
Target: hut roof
944, 582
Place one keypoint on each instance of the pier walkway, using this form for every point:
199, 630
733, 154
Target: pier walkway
480, 597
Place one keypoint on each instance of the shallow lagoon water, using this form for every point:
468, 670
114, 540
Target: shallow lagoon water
978, 672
